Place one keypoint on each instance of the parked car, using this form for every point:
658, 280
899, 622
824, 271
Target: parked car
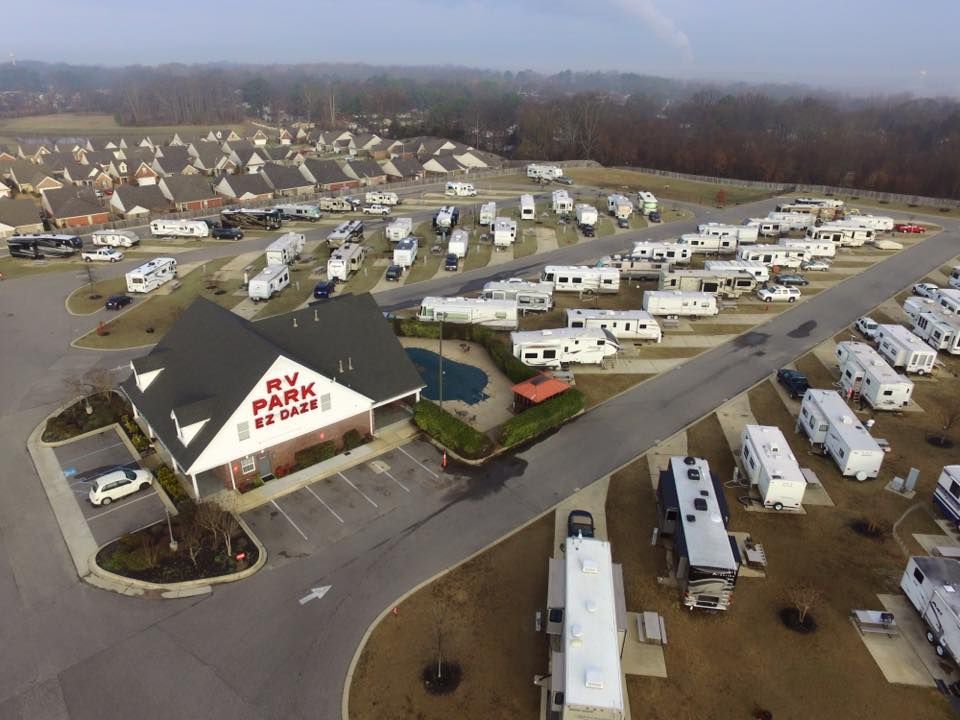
654, 217
394, 272
867, 327
116, 302
623, 223
794, 381
909, 228
226, 233
778, 293
814, 265
452, 263
790, 279
324, 289
580, 522
565, 180
376, 210
118, 484
924, 289
587, 230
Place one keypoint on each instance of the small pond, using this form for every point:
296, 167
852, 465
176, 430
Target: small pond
460, 381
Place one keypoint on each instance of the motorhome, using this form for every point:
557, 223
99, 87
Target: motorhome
931, 584
151, 275
866, 376
774, 255
298, 212
460, 189
384, 197
457, 245
770, 466
405, 252
488, 213
679, 303
790, 221
946, 496
743, 234
752, 267
334, 204
624, 324
880, 223
529, 296
940, 330
499, 314
830, 424
721, 245
905, 350
692, 509
582, 278
820, 202
286, 249
647, 202
675, 253
398, 229
560, 202
842, 233
631, 266
264, 218
619, 206
504, 232
528, 208
768, 228
348, 231
586, 215
42, 245
179, 228
268, 282
563, 346
346, 260
814, 248
731, 284
446, 218
115, 238
544, 172
948, 299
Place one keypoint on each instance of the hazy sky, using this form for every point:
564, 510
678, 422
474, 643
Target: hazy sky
864, 45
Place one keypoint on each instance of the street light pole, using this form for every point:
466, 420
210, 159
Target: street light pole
440, 373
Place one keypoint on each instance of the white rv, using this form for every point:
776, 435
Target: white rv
586, 215
791, 221
528, 208
815, 212
709, 243
842, 232
286, 249
880, 223
774, 255
115, 238
725, 283
948, 299
814, 248
865, 375
940, 330
533, 296
345, 232
488, 213
460, 189
933, 586
446, 218
399, 229
679, 303
631, 266
752, 267
647, 202
179, 228
504, 232
545, 172
457, 245
151, 275
743, 234
561, 202
904, 349
298, 211
619, 206
913, 306
946, 496
674, 253
954, 280
268, 282
499, 314
382, 197
624, 324
820, 202
405, 252
345, 260
582, 279
562, 346
767, 227
829, 423
769, 464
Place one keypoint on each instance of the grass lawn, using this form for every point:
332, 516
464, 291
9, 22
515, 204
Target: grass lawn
80, 301
665, 188
605, 226
20, 267
526, 242
425, 267
718, 329
855, 201
89, 124
478, 256
600, 387
660, 352
291, 298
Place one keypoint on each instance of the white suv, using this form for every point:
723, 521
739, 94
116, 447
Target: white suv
118, 484
867, 327
376, 210
778, 293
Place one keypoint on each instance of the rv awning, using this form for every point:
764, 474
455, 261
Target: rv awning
539, 388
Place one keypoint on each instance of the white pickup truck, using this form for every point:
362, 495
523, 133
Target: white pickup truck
107, 254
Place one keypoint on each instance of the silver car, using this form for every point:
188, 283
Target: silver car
118, 484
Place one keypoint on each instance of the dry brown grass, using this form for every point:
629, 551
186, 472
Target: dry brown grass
600, 387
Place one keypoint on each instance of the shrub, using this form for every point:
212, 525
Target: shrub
451, 431
316, 453
172, 487
537, 420
353, 439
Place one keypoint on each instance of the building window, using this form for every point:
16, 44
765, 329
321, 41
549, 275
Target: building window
243, 431
325, 402
246, 464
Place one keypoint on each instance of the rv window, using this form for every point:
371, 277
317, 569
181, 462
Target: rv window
840, 452
888, 393
577, 324
561, 279
752, 465
325, 402
824, 427
917, 575
549, 354
599, 343
955, 488
530, 356
246, 464
243, 431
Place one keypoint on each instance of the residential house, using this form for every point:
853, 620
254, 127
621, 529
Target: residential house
469, 158
5, 190
328, 175
92, 175
298, 156
368, 172
30, 177
326, 141
381, 150
259, 138
186, 138
33, 152
138, 172
400, 168
251, 159
220, 135
364, 141
287, 136
174, 161
442, 165
130, 201
189, 192
209, 159
244, 187
19, 216
277, 153
73, 206
287, 180
6, 154
426, 145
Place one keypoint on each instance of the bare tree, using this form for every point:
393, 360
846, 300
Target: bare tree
948, 415
220, 523
804, 597
590, 112
151, 549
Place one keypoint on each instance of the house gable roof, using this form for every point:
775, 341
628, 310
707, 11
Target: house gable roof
73, 202
149, 197
253, 183
284, 177
325, 172
188, 188
367, 168
16, 213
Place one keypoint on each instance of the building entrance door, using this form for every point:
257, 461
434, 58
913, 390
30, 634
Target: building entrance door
264, 466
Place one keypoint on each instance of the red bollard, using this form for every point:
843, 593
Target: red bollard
443, 462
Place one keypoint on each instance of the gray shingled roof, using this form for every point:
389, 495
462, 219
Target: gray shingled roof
284, 177
17, 213
188, 188
174, 159
367, 168
73, 201
209, 154
147, 196
325, 172
253, 183
407, 167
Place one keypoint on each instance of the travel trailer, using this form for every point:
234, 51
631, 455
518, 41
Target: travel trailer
457, 245
770, 466
842, 233
940, 330
263, 218
830, 424
298, 212
446, 218
563, 346
286, 249
459, 189
586, 215
346, 232
561, 202
268, 282
790, 221
399, 229
931, 584
774, 255
634, 267
721, 245
752, 267
814, 248
405, 252
582, 279
820, 202
905, 350
528, 208
678, 303
816, 212
115, 238
880, 223
624, 324
946, 496
488, 213
544, 172
647, 203
504, 232
674, 253
334, 204
768, 228
954, 280
179, 228
151, 275
345, 261
948, 299
529, 296
913, 306
743, 234
731, 284
384, 197
619, 206
692, 509
864, 375
499, 314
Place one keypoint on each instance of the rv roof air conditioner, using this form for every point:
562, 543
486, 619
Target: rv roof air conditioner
691, 518
689, 460
700, 504
693, 474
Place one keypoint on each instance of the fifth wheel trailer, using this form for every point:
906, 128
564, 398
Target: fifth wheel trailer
405, 252
285, 249
760, 271
586, 215
940, 330
179, 228
268, 282
865, 375
619, 206
774, 255
631, 266
724, 244
399, 229
725, 283
528, 208
151, 275
931, 584
769, 464
829, 423
562, 346
345, 260
815, 248
904, 349
504, 232
679, 303
624, 324
533, 296
499, 314
743, 234
561, 202
457, 245
582, 279
674, 253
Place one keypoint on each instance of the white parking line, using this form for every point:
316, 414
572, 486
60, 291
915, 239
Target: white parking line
358, 490
94, 452
120, 507
418, 462
323, 502
274, 502
387, 473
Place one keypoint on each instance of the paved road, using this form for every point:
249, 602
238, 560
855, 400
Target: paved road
250, 650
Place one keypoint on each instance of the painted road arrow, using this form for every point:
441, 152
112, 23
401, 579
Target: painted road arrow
315, 594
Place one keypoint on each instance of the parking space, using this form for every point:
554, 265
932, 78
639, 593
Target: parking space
88, 458
330, 509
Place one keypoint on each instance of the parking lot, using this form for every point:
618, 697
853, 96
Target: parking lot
88, 458
337, 506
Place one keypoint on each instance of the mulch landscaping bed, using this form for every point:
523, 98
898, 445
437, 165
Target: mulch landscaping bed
74, 420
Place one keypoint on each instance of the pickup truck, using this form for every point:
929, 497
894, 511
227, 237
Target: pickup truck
109, 254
